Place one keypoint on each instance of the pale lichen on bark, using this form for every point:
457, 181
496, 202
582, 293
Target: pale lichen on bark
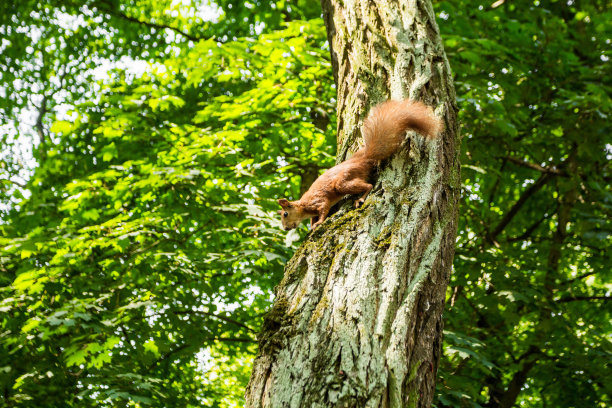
358, 316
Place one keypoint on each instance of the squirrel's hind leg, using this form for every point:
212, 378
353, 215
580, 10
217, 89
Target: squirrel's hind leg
359, 202
355, 186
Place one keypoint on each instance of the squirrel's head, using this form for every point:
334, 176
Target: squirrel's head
291, 216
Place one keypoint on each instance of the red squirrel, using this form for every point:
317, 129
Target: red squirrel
383, 132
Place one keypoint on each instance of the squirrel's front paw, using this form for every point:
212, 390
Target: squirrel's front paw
359, 203
315, 225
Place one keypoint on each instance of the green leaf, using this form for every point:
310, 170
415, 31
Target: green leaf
61, 126
76, 358
151, 347
109, 152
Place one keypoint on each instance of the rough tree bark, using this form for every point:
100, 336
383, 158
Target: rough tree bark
357, 320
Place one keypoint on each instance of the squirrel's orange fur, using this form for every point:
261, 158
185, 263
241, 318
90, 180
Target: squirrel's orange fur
383, 132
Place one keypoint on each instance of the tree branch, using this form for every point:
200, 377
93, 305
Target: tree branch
514, 387
534, 188
42, 111
529, 230
115, 13
584, 275
168, 354
17, 183
550, 170
215, 316
233, 339
497, 181
574, 298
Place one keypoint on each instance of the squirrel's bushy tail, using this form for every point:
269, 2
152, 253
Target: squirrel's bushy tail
385, 127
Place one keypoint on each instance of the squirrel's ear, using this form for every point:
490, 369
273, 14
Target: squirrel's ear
284, 203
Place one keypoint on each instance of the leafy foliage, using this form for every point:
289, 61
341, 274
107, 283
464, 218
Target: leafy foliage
528, 309
146, 253
141, 249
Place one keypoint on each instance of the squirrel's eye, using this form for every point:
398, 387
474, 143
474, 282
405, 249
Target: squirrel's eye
285, 214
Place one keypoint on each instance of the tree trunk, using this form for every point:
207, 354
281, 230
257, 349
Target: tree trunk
357, 320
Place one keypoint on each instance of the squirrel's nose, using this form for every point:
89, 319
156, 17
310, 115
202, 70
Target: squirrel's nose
287, 228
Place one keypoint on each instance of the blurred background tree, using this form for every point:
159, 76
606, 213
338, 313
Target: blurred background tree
144, 144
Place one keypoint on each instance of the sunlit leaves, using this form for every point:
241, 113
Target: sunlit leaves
138, 267
155, 237
532, 100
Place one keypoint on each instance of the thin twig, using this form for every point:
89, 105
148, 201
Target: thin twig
157, 26
534, 188
533, 166
574, 298
215, 316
